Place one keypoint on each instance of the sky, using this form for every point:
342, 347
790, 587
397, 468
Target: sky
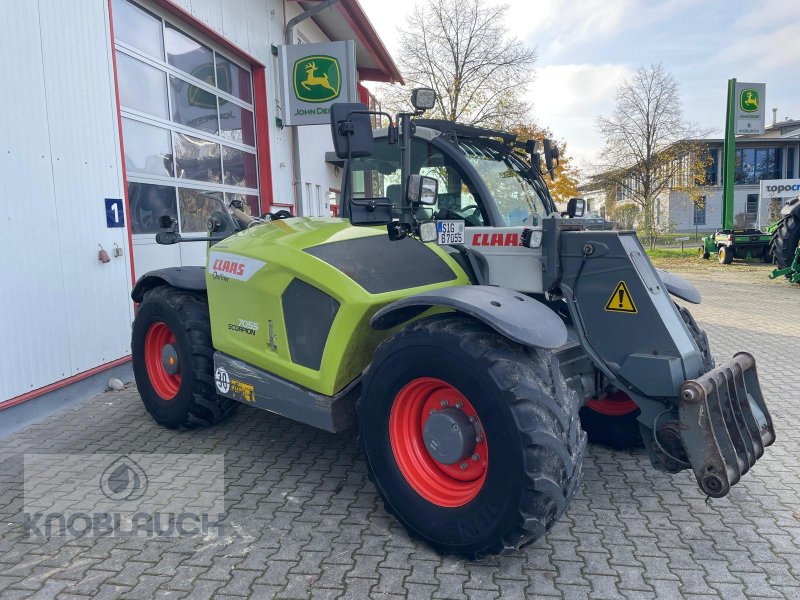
587, 48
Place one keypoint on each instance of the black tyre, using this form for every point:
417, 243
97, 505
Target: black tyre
613, 421
465, 437
785, 241
725, 254
703, 253
173, 360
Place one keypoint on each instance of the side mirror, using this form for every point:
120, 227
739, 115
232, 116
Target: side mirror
576, 208
351, 130
423, 99
370, 211
422, 190
167, 222
167, 238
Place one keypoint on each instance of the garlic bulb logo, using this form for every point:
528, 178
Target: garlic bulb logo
123, 480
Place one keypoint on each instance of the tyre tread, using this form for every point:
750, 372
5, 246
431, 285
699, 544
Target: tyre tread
549, 426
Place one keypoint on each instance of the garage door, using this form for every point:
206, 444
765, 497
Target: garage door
188, 131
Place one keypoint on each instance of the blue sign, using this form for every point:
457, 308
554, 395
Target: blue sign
115, 216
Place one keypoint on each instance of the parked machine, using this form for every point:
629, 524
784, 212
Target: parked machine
785, 243
459, 322
728, 244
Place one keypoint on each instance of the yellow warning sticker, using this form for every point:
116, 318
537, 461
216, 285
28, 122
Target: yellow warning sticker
243, 390
621, 300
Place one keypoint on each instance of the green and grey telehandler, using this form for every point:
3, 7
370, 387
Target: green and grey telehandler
460, 322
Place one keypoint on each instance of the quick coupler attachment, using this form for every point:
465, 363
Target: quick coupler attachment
724, 423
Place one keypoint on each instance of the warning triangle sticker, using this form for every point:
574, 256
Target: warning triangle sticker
621, 300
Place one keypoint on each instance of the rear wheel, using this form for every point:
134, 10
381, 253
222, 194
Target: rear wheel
785, 241
465, 437
725, 255
613, 421
173, 360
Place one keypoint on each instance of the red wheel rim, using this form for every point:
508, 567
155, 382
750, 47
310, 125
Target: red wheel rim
165, 384
441, 484
613, 405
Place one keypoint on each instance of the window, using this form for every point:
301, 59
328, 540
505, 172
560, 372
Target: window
712, 168
378, 176
138, 28
699, 216
148, 204
755, 164
148, 149
187, 122
790, 162
751, 211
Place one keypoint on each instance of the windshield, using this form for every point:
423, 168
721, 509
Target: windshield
519, 198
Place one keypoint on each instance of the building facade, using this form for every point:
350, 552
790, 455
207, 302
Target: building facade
773, 155
117, 112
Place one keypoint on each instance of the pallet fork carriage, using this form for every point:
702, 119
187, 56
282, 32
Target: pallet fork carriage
460, 322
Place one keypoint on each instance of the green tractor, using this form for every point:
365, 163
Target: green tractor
459, 322
785, 244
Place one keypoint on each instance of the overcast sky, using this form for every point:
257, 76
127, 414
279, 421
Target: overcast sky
586, 48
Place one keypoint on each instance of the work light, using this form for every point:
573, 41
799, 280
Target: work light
423, 98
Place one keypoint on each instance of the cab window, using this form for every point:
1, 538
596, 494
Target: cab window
378, 175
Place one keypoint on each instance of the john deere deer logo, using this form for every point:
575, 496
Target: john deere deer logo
748, 100
317, 78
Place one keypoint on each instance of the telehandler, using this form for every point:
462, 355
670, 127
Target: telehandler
459, 322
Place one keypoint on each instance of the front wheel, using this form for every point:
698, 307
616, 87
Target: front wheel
703, 253
466, 438
173, 360
725, 255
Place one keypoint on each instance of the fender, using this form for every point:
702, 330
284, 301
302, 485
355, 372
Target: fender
518, 317
792, 207
184, 278
679, 287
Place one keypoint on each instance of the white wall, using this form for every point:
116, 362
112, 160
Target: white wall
61, 311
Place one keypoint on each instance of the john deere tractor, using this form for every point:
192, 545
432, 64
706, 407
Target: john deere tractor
459, 322
785, 245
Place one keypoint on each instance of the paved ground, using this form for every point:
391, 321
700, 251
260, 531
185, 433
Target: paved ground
307, 523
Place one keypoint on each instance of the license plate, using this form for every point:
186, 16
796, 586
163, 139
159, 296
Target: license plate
450, 232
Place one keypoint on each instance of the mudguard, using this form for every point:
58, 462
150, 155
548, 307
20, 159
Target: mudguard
792, 207
184, 278
679, 287
518, 317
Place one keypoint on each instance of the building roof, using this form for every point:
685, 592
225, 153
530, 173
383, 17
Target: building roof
346, 20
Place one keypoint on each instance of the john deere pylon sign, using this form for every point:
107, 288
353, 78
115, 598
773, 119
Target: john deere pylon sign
314, 77
749, 114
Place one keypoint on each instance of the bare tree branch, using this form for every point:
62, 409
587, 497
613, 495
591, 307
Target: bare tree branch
462, 50
648, 147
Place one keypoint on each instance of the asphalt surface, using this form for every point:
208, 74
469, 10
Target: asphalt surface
304, 521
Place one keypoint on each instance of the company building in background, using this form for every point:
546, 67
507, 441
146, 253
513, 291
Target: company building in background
116, 112
773, 155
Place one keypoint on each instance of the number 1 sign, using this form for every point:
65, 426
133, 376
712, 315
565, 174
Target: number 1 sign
115, 217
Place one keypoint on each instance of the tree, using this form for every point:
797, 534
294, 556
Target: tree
462, 50
649, 148
565, 183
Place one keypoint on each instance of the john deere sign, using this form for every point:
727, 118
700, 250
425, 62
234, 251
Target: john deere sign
749, 115
315, 76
